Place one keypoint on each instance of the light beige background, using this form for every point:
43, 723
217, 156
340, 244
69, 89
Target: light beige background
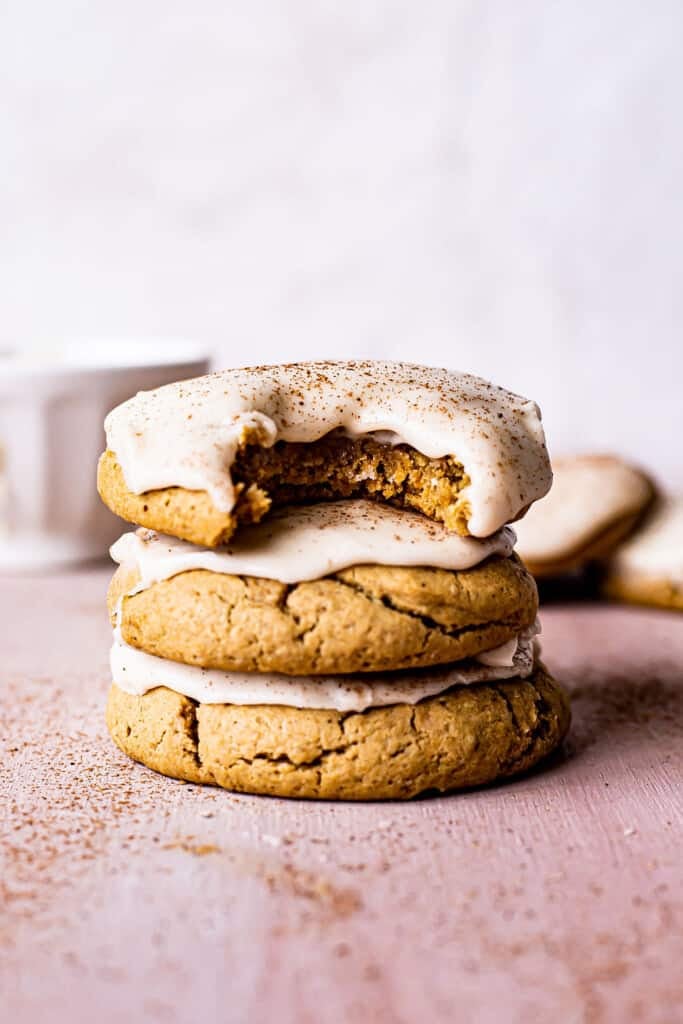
491, 185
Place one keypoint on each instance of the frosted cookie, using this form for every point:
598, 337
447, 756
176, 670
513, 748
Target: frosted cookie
297, 594
648, 568
363, 619
465, 736
196, 458
595, 501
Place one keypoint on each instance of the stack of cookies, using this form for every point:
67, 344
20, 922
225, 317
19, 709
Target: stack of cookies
322, 599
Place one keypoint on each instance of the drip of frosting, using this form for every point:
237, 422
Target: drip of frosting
137, 672
589, 494
187, 434
500, 657
308, 542
656, 550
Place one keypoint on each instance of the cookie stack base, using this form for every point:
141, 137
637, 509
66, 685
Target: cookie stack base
468, 736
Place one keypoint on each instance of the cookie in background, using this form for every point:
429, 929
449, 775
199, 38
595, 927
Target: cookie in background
648, 568
595, 503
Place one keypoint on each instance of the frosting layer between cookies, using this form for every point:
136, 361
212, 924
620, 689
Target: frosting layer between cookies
136, 673
188, 434
308, 542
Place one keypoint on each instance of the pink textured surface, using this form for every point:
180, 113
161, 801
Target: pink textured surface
127, 896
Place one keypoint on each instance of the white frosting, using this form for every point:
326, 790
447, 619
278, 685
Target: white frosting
311, 541
137, 672
655, 551
187, 434
589, 494
503, 656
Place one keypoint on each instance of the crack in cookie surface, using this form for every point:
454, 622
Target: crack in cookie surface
466, 737
365, 619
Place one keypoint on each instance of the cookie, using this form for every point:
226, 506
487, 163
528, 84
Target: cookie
198, 458
648, 568
191, 515
468, 736
334, 467
366, 618
595, 502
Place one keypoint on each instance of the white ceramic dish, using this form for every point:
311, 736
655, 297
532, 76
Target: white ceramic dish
52, 406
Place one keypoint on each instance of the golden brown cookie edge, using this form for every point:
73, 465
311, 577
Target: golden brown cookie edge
647, 591
189, 515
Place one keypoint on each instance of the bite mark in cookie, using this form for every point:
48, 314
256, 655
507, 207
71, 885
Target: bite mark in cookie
202, 456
